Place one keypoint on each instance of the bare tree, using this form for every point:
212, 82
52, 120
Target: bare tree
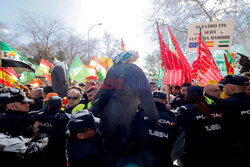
152, 62
178, 14
111, 46
42, 32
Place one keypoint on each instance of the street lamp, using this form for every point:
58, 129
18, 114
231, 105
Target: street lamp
99, 24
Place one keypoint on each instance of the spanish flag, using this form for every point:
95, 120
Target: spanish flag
7, 79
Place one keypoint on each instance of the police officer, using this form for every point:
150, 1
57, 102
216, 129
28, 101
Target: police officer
16, 121
16, 130
204, 132
83, 141
20, 151
153, 143
52, 124
237, 118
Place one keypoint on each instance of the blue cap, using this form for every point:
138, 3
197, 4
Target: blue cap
55, 102
11, 95
83, 119
159, 94
235, 80
195, 91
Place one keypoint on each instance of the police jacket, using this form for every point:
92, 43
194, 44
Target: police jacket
19, 151
154, 144
237, 123
84, 152
204, 136
16, 123
53, 125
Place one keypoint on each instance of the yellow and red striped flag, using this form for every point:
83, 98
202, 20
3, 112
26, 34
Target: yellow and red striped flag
7, 79
45, 67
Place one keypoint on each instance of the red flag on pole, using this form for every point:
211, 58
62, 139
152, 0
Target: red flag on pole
177, 51
175, 69
204, 67
122, 45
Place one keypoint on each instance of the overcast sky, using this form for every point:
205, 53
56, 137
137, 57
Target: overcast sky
121, 18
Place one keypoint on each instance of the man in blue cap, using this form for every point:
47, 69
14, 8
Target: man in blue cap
52, 123
237, 118
16, 120
16, 145
84, 141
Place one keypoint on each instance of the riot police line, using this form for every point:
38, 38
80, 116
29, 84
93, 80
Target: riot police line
199, 130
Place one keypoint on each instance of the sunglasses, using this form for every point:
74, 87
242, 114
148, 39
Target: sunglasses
74, 98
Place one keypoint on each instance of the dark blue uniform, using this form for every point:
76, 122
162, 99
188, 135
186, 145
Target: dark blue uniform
237, 124
154, 144
53, 125
204, 137
85, 152
16, 123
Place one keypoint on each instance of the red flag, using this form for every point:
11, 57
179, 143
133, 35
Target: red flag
46, 66
179, 54
122, 45
230, 69
204, 64
175, 69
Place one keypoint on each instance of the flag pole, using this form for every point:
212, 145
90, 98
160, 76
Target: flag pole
2, 64
166, 85
198, 73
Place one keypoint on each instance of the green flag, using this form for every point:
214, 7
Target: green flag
230, 57
77, 70
159, 78
38, 70
12, 58
26, 77
101, 77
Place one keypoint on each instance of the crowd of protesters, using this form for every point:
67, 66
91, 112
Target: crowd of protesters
127, 121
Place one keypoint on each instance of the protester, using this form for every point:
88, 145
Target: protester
46, 90
91, 92
175, 90
73, 96
237, 120
37, 100
212, 91
84, 146
117, 101
152, 86
179, 99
